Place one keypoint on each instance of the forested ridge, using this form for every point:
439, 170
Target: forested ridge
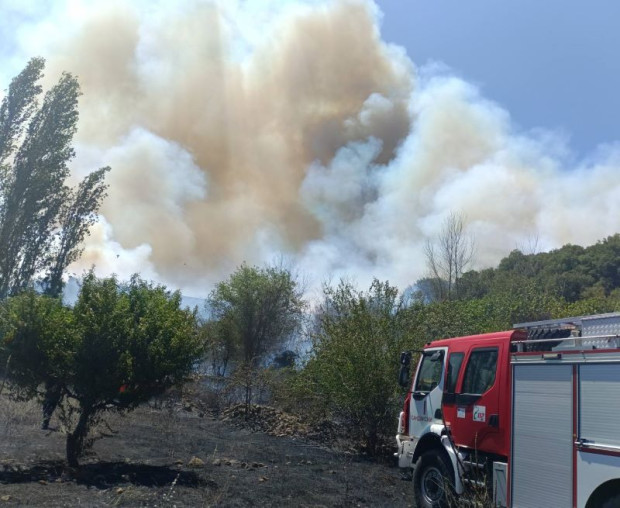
571, 272
571, 280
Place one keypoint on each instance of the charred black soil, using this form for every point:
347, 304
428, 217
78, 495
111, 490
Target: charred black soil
176, 456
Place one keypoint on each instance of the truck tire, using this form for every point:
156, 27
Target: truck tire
607, 496
611, 502
432, 482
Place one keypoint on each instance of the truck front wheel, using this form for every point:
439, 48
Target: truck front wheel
432, 485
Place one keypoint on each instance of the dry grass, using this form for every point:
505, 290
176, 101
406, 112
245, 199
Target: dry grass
15, 417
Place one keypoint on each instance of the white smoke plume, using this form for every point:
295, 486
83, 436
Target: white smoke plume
243, 130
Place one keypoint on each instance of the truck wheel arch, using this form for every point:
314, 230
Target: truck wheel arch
432, 441
428, 442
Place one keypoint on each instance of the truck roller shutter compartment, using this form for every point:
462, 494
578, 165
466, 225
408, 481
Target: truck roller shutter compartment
542, 441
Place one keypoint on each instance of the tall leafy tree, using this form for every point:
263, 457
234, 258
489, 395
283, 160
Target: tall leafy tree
18, 106
77, 214
42, 220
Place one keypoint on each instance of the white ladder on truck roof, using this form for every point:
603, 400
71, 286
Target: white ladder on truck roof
597, 324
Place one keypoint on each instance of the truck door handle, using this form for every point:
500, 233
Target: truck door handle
466, 399
494, 421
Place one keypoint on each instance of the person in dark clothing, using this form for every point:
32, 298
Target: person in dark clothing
53, 393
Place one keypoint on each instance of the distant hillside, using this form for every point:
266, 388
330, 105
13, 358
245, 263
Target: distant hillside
571, 272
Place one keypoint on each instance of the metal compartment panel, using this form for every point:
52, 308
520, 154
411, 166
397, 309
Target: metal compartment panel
599, 415
542, 442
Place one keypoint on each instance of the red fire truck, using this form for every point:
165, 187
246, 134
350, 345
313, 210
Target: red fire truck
531, 415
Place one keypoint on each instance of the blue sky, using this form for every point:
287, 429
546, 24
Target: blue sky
550, 63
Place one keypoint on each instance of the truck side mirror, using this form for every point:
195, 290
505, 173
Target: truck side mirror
404, 376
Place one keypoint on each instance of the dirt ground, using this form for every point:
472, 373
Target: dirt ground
169, 456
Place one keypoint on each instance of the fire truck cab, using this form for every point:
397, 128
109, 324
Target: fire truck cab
531, 416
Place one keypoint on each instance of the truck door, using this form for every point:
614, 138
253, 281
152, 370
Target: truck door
474, 409
453, 371
425, 408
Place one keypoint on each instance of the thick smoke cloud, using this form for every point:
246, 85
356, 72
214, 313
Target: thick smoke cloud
239, 132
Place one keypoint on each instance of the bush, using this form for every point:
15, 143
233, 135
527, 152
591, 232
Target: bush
117, 348
352, 373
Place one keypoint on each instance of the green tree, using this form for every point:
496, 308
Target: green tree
353, 369
42, 220
603, 262
119, 346
77, 214
256, 309
39, 338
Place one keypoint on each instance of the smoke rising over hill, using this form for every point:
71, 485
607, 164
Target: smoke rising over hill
243, 130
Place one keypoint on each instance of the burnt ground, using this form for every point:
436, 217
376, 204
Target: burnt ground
170, 456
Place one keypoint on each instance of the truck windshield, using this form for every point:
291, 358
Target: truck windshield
430, 372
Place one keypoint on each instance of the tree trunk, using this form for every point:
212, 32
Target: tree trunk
248, 398
75, 440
